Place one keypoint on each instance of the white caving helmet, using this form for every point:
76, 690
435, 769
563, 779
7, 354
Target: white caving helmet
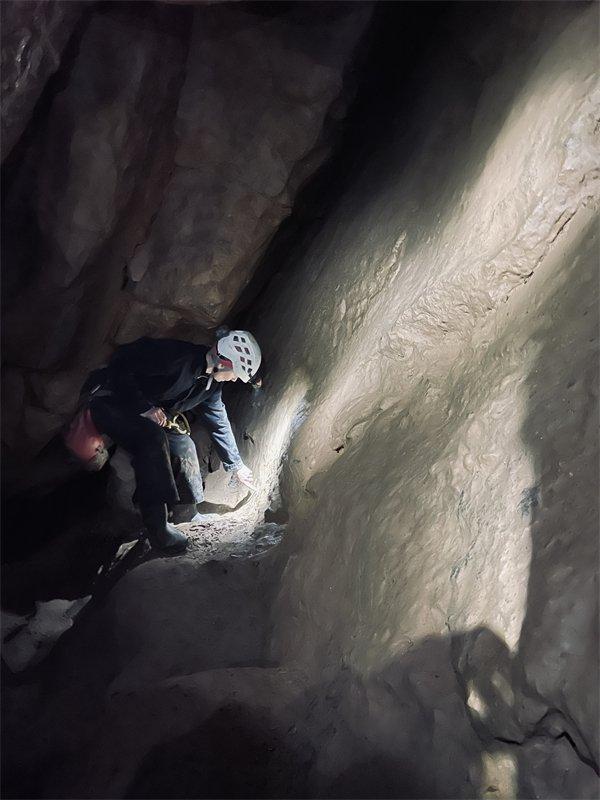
241, 348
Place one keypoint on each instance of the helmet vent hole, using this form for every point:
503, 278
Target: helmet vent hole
236, 338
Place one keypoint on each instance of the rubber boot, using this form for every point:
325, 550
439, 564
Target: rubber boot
162, 535
182, 512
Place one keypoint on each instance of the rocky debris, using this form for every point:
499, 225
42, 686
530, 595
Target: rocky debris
33, 37
221, 537
34, 637
250, 115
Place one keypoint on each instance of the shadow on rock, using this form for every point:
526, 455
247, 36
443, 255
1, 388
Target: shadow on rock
558, 648
235, 753
379, 776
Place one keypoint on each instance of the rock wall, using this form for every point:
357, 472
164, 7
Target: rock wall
33, 37
89, 178
428, 627
439, 573
249, 125
170, 150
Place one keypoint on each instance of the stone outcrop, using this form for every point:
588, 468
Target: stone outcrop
439, 535
33, 37
94, 171
26, 641
428, 626
150, 190
97, 140
249, 127
74, 208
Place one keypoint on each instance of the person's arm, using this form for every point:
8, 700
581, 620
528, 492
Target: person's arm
143, 355
124, 384
213, 415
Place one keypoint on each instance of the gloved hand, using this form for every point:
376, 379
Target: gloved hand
244, 476
156, 415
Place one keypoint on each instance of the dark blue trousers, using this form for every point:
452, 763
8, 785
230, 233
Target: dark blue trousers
165, 462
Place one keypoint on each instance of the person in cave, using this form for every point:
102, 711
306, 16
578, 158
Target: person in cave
135, 401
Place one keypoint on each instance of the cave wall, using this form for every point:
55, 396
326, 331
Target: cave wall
439, 574
431, 380
152, 172
33, 37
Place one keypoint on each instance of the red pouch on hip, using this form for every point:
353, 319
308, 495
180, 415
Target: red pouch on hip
85, 442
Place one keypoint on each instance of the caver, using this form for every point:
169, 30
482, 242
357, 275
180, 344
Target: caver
138, 401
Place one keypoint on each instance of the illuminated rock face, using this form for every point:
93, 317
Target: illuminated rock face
440, 567
432, 354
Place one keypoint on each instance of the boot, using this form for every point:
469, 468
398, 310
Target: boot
162, 535
182, 512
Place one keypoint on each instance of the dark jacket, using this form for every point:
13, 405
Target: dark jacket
171, 374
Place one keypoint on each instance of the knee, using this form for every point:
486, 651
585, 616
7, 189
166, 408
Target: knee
186, 448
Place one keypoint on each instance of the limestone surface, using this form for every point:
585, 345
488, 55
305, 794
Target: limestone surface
427, 627
250, 115
175, 143
33, 37
442, 545
99, 126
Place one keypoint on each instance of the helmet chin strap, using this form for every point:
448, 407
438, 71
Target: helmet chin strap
210, 368
213, 367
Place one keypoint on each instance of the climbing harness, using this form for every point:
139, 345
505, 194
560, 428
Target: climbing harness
179, 423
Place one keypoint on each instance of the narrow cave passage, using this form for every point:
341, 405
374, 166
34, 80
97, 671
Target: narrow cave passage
399, 200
